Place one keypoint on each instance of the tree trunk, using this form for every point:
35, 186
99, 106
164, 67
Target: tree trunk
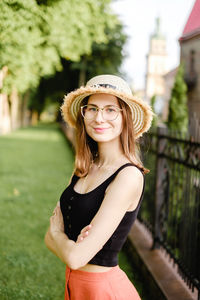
34, 118
82, 74
25, 112
15, 109
5, 120
82, 78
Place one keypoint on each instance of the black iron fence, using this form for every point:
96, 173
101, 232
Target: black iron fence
171, 209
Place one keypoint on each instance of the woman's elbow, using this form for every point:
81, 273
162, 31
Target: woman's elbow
79, 257
72, 266
75, 261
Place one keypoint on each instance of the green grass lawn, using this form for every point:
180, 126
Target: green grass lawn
35, 166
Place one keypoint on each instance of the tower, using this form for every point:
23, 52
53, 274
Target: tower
156, 65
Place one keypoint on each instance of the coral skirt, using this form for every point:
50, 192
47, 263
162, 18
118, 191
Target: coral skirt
110, 285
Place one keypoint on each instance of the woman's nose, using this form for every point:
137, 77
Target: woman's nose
99, 116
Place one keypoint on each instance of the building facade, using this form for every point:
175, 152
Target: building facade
190, 57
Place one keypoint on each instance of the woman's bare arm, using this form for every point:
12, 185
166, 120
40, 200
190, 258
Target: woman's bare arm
125, 190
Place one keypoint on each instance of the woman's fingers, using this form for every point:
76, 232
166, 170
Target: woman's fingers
56, 210
86, 228
82, 236
56, 220
79, 239
84, 233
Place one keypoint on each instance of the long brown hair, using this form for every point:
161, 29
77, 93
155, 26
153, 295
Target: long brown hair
87, 148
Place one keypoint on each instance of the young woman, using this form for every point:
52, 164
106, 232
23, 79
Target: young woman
96, 211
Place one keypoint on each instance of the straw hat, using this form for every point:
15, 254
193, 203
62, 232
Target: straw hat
108, 84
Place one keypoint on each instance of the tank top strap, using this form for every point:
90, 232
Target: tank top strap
74, 180
109, 179
121, 168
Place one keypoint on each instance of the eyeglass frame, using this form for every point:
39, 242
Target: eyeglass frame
101, 109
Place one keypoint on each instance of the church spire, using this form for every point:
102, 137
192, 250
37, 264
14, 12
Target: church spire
156, 64
157, 34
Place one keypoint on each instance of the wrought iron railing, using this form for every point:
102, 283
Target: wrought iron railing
171, 209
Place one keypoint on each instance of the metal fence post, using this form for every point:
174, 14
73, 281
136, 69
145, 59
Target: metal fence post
159, 190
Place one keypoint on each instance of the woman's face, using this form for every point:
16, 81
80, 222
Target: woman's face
99, 129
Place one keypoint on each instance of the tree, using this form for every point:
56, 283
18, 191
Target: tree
178, 110
104, 58
36, 35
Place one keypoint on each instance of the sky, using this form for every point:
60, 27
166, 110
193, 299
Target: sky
138, 17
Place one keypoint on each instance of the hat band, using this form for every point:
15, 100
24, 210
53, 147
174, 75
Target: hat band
105, 85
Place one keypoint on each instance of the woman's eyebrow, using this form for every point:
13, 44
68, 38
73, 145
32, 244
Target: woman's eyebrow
92, 104
103, 106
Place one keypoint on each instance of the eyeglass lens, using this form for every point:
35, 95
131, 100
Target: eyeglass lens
108, 112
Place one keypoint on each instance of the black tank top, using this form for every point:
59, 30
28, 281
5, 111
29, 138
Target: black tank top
79, 209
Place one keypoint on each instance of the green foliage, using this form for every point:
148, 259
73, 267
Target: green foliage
178, 111
106, 58
155, 118
35, 35
147, 210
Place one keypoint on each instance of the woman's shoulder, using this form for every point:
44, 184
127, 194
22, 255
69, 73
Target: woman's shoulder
130, 173
128, 183
129, 177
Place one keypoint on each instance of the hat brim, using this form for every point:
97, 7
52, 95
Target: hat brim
142, 113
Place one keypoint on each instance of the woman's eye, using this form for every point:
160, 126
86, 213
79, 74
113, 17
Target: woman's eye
92, 109
110, 110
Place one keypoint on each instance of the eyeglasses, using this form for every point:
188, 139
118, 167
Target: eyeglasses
109, 112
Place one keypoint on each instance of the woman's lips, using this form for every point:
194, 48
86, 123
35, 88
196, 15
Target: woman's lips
99, 129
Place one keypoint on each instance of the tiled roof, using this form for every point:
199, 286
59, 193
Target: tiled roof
192, 27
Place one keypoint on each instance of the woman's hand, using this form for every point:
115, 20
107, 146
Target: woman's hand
84, 233
56, 240
56, 221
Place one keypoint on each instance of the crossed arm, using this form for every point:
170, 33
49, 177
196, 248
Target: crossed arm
124, 191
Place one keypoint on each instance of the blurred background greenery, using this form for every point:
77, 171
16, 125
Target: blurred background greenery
50, 47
